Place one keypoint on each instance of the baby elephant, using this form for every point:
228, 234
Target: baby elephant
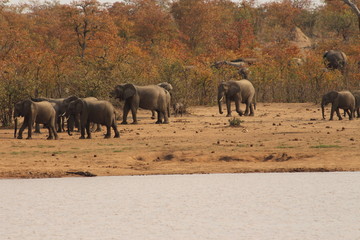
179, 108
344, 100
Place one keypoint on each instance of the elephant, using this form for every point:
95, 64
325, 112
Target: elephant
343, 99
74, 120
335, 60
151, 97
241, 91
356, 94
60, 108
168, 87
179, 108
35, 112
101, 112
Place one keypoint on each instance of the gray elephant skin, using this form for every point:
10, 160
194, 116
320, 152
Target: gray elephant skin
101, 112
241, 91
151, 97
58, 104
335, 60
343, 99
169, 88
179, 108
74, 121
35, 112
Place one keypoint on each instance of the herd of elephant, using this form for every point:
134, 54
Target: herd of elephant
84, 111
157, 98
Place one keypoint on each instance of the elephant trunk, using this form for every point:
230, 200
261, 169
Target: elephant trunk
16, 123
70, 125
220, 98
323, 110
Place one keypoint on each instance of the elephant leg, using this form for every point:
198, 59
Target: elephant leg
153, 114
125, 113
82, 130
166, 117
134, 113
58, 124
358, 112
228, 106
351, 113
30, 126
21, 130
108, 131
338, 113
159, 121
237, 106
88, 132
117, 134
252, 113
37, 128
50, 132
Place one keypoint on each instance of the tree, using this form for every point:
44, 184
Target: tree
354, 8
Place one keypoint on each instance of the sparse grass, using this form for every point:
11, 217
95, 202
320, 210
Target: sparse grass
118, 151
45, 146
285, 146
326, 146
235, 122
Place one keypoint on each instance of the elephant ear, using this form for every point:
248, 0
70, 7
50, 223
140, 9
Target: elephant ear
27, 106
333, 95
224, 86
129, 90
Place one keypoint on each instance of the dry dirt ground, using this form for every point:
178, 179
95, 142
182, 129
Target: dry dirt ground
282, 137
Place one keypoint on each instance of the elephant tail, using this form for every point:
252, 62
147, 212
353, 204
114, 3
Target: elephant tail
254, 101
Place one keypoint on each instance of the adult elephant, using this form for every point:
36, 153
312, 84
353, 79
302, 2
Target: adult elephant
73, 121
60, 109
169, 88
35, 112
343, 99
239, 91
335, 60
151, 97
100, 112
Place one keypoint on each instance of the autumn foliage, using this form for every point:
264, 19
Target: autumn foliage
86, 48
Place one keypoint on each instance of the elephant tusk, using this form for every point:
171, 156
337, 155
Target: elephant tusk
220, 100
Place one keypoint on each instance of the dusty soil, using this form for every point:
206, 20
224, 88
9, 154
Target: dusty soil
282, 137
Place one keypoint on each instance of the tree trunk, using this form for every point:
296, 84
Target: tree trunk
355, 9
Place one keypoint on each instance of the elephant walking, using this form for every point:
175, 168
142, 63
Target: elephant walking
35, 112
344, 100
151, 97
101, 112
239, 91
74, 121
169, 88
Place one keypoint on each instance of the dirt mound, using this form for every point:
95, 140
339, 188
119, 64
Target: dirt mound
299, 39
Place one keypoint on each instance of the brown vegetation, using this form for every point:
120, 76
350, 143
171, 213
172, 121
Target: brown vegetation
85, 48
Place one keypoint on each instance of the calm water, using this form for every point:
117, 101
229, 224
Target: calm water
221, 206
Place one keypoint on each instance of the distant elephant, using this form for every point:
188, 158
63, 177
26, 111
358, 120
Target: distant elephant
151, 97
101, 112
179, 108
239, 91
35, 112
335, 60
344, 100
169, 88
357, 102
